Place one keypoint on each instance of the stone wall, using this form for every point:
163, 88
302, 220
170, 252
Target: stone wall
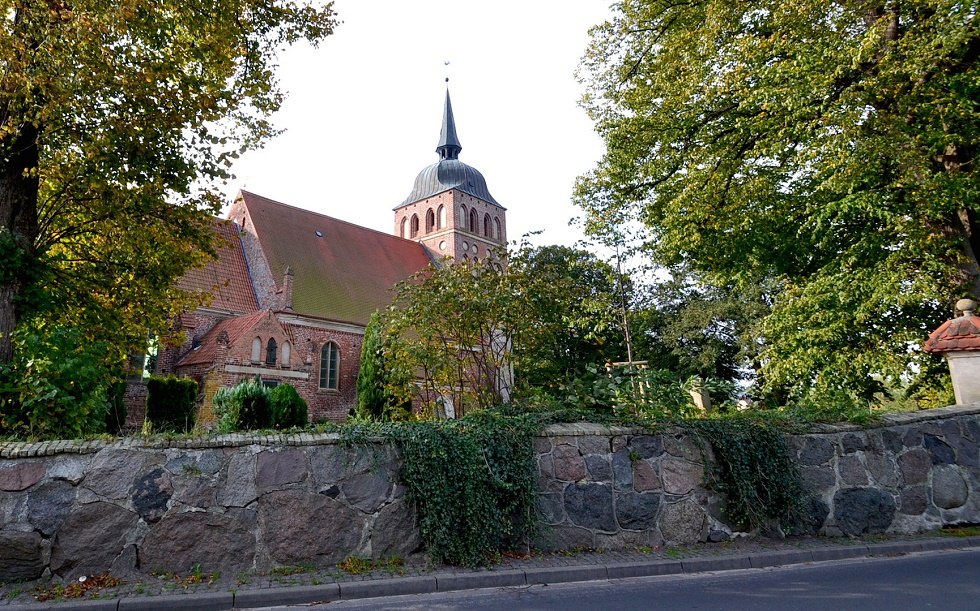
617, 488
249, 503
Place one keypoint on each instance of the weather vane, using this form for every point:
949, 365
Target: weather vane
446, 63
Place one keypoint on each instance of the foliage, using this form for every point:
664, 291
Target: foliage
243, 407
116, 411
118, 122
651, 394
471, 481
375, 400
287, 407
56, 387
752, 468
170, 403
825, 148
461, 328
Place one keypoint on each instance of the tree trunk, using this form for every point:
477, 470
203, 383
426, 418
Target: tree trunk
18, 225
970, 225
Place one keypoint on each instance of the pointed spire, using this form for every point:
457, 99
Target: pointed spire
449, 146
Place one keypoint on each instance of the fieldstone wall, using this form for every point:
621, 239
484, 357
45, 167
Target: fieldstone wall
618, 488
250, 503
231, 504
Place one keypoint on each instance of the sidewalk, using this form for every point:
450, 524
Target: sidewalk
299, 585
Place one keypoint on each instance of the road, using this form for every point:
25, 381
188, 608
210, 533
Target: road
948, 580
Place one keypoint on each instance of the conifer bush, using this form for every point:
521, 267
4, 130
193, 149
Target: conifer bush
288, 408
170, 403
244, 407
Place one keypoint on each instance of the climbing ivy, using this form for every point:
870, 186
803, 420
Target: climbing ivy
751, 467
471, 481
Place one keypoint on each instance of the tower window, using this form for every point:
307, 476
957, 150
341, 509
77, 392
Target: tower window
430, 221
496, 229
256, 350
441, 217
486, 225
330, 366
415, 225
404, 227
474, 221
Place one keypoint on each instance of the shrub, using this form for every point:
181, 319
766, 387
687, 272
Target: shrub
55, 387
170, 403
246, 406
288, 408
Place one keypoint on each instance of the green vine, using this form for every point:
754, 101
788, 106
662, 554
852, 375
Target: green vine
471, 481
752, 468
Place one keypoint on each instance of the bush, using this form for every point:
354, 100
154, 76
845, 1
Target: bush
170, 403
244, 407
55, 387
288, 408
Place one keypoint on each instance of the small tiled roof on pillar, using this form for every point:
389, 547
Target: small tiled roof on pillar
958, 335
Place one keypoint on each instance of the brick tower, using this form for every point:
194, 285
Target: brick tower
450, 211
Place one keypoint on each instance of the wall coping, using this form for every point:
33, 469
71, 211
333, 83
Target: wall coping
26, 449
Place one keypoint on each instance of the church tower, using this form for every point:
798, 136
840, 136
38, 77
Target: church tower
450, 211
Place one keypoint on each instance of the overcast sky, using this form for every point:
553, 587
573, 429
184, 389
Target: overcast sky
363, 111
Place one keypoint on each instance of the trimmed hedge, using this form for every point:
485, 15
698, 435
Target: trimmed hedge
170, 403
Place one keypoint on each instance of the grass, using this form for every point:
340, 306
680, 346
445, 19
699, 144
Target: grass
961, 531
355, 565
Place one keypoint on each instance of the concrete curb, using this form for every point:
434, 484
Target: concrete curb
375, 588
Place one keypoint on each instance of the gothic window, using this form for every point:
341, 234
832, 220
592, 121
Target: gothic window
330, 366
474, 221
486, 225
496, 229
415, 225
430, 221
270, 352
441, 217
285, 354
461, 220
256, 350
404, 228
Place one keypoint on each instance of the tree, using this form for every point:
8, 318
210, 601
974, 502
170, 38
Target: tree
456, 332
117, 119
375, 400
828, 148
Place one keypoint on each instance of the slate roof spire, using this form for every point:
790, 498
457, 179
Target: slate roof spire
449, 146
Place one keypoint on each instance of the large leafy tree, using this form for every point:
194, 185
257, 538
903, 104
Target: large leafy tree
117, 122
827, 147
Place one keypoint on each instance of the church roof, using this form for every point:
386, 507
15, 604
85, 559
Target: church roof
449, 172
236, 327
225, 278
342, 272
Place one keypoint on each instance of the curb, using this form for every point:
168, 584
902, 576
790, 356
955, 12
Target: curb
300, 595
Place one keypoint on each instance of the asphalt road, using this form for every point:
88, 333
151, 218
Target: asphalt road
948, 580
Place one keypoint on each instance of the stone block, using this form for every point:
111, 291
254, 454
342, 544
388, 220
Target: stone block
860, 511
238, 488
368, 491
949, 489
912, 500
112, 473
151, 494
637, 511
550, 508
680, 476
594, 444
682, 523
852, 471
569, 464
681, 445
647, 446
395, 531
940, 451
914, 466
882, 469
818, 479
298, 526
277, 469
892, 439
555, 538
21, 476
853, 442
816, 451
590, 505
49, 504
90, 538
599, 468
622, 465
645, 476
21, 556
217, 541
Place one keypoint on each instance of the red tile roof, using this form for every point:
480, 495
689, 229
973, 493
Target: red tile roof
236, 327
342, 271
957, 335
226, 277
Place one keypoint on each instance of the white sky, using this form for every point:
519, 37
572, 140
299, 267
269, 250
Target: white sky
363, 111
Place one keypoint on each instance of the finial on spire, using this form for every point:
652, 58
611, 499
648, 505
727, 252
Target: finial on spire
449, 146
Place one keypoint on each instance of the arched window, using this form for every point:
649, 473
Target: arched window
256, 350
441, 217
486, 225
404, 228
430, 221
285, 354
496, 229
330, 366
461, 220
270, 352
415, 225
474, 221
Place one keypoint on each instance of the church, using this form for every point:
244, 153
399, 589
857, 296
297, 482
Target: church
292, 290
